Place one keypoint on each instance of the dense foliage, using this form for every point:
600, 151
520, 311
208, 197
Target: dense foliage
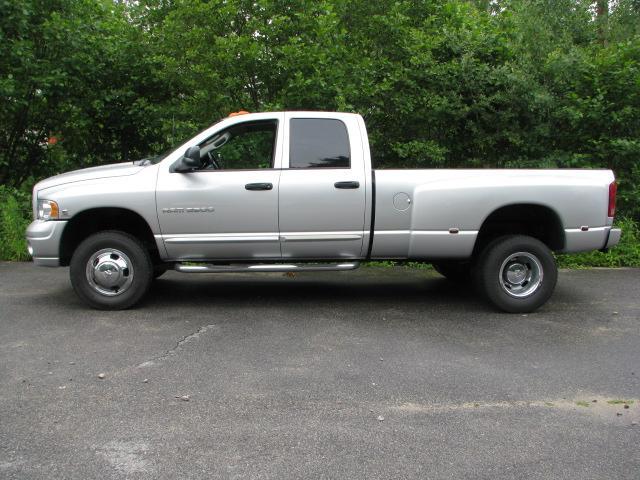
441, 83
15, 215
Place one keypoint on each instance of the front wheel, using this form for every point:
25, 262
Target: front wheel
111, 270
517, 273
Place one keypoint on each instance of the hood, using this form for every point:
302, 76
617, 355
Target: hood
104, 171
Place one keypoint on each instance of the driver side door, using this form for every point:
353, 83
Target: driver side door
228, 209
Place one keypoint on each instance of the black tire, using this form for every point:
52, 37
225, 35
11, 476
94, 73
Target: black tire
138, 273
499, 273
458, 272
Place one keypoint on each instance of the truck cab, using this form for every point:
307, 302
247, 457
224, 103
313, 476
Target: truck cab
269, 187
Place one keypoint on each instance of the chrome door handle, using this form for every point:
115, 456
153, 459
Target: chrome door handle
345, 185
259, 186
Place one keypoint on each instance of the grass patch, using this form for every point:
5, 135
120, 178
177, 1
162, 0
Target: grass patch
582, 403
620, 402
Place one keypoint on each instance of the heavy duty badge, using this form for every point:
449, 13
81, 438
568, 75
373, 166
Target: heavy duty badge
188, 210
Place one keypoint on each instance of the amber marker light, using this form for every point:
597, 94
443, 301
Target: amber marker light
48, 210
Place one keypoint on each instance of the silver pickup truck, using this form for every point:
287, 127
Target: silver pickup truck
296, 191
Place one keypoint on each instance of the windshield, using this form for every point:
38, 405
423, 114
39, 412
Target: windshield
158, 158
162, 156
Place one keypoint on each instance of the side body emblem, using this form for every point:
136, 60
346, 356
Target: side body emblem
188, 210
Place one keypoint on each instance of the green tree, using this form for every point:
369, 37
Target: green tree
74, 70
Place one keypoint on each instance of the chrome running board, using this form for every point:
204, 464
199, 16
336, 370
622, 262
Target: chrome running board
266, 267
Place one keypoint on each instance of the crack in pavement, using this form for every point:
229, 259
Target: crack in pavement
178, 346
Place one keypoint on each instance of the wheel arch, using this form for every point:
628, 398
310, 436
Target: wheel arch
93, 220
535, 220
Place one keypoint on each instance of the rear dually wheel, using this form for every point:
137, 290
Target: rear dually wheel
517, 273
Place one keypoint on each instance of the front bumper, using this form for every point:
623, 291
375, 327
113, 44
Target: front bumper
43, 240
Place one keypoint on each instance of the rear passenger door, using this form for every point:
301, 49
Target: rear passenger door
322, 188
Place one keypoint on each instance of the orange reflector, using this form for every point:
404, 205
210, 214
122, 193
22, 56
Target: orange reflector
55, 213
239, 112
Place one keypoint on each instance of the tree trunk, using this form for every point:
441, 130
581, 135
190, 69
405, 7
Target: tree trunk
602, 19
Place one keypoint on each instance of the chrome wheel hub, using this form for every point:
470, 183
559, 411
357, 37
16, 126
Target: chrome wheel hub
109, 272
521, 274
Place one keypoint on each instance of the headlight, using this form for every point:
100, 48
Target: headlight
47, 210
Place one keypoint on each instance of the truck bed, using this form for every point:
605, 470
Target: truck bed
439, 213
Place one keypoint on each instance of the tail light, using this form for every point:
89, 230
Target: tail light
613, 188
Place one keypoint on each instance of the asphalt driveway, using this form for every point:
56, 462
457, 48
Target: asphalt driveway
367, 374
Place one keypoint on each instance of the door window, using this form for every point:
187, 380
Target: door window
318, 143
244, 146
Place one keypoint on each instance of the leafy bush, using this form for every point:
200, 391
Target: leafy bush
15, 215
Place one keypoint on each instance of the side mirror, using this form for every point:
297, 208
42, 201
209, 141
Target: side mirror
189, 161
191, 157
